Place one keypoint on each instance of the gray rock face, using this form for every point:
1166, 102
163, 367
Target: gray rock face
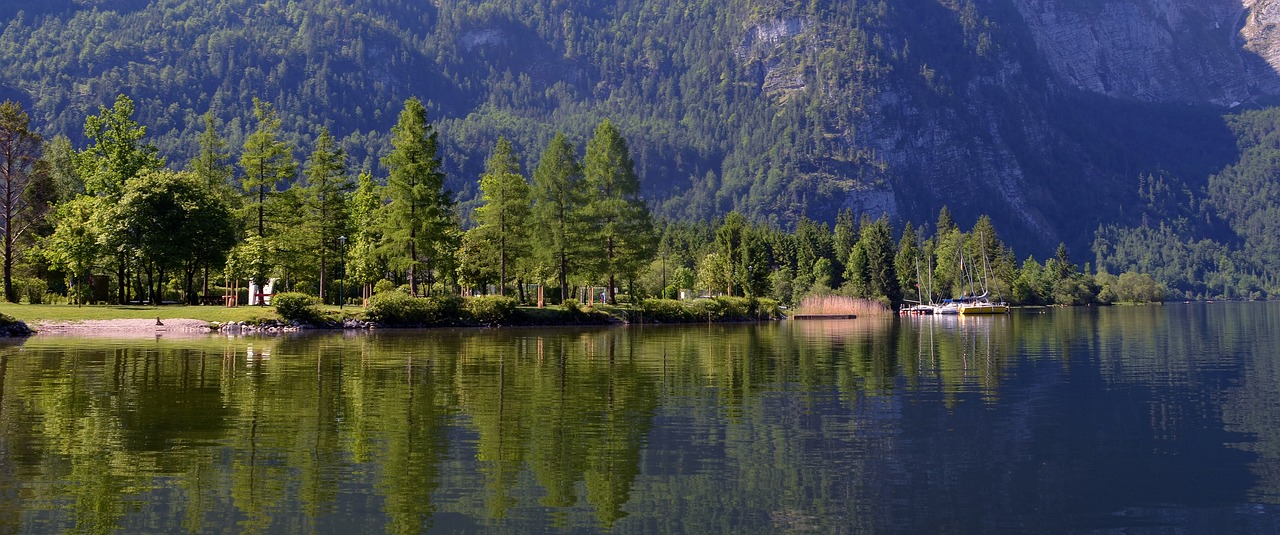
1222, 52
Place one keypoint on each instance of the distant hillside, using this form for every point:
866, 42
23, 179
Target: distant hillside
780, 110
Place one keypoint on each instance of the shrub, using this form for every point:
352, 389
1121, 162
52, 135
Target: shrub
491, 309
295, 306
383, 286
572, 305
445, 310
395, 308
768, 309
33, 289
398, 308
665, 311
706, 309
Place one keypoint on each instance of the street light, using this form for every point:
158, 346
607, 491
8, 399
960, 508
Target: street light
342, 286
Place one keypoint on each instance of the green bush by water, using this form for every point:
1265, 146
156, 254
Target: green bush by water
492, 309
295, 306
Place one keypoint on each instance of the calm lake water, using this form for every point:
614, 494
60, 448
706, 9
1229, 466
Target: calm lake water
1143, 419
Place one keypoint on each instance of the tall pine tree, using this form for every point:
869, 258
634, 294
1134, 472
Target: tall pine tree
267, 162
558, 188
504, 217
325, 202
621, 223
418, 211
19, 152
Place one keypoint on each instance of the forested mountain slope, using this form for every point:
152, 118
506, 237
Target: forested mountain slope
1044, 115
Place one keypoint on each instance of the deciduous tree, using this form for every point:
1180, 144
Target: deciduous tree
116, 154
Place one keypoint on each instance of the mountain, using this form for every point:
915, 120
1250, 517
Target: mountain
1045, 114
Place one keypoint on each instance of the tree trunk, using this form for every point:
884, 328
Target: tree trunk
502, 267
122, 287
151, 289
564, 276
190, 273
9, 294
413, 259
322, 273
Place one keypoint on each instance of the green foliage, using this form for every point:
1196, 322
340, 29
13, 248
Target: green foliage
723, 308
665, 311
173, 221
418, 210
19, 154
619, 220
294, 306
116, 152
384, 286
503, 218
32, 289
325, 213
572, 305
363, 265
401, 309
557, 195
1130, 287
267, 161
491, 309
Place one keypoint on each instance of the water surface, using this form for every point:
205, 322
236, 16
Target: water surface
1142, 419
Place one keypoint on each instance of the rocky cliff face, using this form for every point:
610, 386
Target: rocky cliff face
1223, 52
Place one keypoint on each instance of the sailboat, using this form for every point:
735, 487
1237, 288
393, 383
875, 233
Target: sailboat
982, 304
920, 308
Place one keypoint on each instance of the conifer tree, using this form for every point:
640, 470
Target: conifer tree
621, 223
325, 202
907, 264
212, 162
364, 212
877, 242
417, 214
266, 161
503, 218
558, 188
19, 153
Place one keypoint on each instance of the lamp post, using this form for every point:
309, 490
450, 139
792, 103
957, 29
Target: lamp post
342, 286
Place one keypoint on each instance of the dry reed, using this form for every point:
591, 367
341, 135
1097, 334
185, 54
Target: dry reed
837, 305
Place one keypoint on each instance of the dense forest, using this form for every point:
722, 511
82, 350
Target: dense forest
787, 114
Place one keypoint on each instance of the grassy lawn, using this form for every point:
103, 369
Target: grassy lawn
38, 313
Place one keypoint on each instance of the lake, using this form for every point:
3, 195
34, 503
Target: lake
1142, 419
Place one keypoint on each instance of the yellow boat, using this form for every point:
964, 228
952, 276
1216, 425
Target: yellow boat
984, 308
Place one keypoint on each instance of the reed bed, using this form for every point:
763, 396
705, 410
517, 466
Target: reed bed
838, 305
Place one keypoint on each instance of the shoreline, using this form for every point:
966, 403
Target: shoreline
120, 326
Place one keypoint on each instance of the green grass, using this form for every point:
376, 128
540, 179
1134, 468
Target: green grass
38, 313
